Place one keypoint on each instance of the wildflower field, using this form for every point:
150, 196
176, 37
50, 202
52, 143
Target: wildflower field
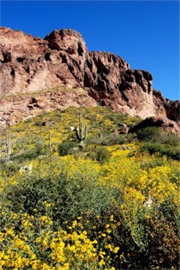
111, 204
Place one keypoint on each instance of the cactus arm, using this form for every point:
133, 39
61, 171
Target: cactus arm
81, 132
77, 134
85, 132
80, 126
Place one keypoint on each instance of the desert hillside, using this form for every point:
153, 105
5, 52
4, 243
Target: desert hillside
79, 192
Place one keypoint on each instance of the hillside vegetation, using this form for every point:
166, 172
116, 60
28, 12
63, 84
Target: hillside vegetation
109, 202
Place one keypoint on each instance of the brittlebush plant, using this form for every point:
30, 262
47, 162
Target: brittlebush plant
115, 210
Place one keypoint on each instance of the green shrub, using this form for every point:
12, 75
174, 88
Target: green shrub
69, 197
152, 163
153, 148
162, 149
99, 153
102, 154
171, 139
157, 141
149, 134
173, 153
10, 168
65, 148
38, 123
37, 150
110, 139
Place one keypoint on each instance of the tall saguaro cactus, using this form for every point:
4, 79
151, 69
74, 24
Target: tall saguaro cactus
81, 132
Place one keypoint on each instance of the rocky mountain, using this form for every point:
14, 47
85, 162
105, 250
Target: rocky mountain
41, 75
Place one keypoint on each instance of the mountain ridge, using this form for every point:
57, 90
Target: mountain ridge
62, 59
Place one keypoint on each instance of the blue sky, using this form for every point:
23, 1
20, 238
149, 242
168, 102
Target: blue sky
144, 33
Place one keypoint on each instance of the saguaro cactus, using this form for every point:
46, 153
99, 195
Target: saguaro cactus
81, 132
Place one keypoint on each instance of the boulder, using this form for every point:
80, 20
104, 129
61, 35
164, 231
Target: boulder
164, 123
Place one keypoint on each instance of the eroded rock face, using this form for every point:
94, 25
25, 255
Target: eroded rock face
123, 89
29, 65
22, 107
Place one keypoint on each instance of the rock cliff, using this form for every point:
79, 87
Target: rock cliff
38, 75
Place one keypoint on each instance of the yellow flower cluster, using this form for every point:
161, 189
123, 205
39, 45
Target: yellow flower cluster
49, 250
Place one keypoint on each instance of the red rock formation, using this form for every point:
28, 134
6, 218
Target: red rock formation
21, 107
29, 65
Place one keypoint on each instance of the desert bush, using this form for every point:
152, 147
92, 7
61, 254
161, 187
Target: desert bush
65, 148
110, 139
149, 134
162, 143
173, 153
113, 139
37, 150
10, 168
164, 242
69, 196
148, 163
102, 154
170, 139
162, 149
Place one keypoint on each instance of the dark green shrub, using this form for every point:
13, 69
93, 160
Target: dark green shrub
65, 148
162, 149
157, 141
171, 139
149, 134
102, 154
127, 138
38, 123
111, 139
153, 148
173, 153
94, 139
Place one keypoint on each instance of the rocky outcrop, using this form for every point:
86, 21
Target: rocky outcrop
30, 65
125, 90
124, 129
164, 123
22, 107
